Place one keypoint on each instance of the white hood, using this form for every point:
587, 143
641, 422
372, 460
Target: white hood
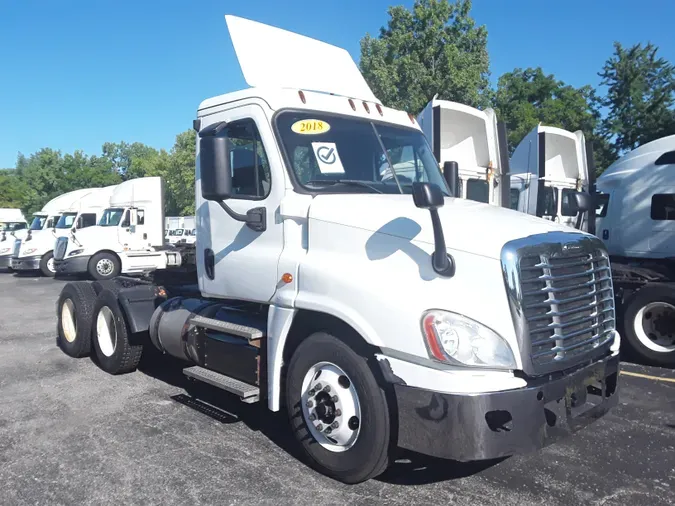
397, 215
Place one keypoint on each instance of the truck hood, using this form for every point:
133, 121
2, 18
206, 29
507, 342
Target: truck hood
468, 226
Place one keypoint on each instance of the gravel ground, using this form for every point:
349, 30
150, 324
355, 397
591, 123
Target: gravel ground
71, 434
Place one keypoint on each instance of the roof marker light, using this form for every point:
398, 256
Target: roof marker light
379, 109
351, 102
412, 118
302, 97
366, 107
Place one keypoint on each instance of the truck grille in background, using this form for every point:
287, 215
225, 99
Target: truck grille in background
17, 247
565, 302
60, 249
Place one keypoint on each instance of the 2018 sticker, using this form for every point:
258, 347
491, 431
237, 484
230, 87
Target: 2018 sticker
310, 127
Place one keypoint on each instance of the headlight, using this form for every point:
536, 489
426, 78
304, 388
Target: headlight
456, 339
75, 252
29, 251
4, 250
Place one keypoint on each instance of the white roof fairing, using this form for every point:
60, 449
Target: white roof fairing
273, 57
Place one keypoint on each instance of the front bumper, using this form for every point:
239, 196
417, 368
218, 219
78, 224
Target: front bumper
468, 427
25, 263
5, 261
74, 265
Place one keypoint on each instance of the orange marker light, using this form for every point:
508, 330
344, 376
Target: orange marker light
287, 278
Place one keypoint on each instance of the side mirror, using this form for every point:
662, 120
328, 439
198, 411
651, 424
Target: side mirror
427, 196
214, 163
583, 201
451, 175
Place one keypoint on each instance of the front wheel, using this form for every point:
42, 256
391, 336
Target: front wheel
649, 324
338, 412
104, 266
47, 266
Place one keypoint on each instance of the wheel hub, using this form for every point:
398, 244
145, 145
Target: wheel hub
331, 407
104, 267
654, 326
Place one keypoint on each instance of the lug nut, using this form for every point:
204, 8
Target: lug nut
311, 392
317, 387
338, 412
319, 427
328, 430
327, 389
334, 398
310, 404
312, 417
335, 425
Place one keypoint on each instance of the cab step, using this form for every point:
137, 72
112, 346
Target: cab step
247, 393
235, 329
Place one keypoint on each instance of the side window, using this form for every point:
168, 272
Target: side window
477, 190
515, 198
666, 158
250, 167
565, 204
601, 204
550, 201
663, 206
140, 216
87, 220
125, 219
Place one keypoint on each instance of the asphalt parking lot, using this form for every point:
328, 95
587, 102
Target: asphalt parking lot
71, 434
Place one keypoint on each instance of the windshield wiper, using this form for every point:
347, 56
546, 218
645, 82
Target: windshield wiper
353, 182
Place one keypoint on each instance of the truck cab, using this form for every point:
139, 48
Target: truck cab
476, 141
13, 226
548, 167
374, 307
35, 251
128, 237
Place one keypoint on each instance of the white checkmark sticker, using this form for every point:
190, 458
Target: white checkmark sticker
327, 158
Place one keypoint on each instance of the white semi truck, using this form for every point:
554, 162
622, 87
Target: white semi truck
35, 250
128, 238
475, 141
13, 226
377, 312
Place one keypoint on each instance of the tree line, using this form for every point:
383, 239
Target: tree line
435, 48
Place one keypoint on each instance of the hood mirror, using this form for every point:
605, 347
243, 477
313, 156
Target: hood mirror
429, 196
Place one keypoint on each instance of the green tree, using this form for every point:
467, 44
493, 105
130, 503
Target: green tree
640, 96
130, 160
13, 189
526, 97
434, 49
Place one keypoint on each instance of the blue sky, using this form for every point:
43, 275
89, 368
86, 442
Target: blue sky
75, 74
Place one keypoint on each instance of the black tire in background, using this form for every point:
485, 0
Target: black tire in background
114, 352
74, 311
648, 294
107, 259
44, 264
369, 455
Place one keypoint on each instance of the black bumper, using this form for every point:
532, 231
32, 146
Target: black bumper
5, 261
25, 263
493, 425
75, 265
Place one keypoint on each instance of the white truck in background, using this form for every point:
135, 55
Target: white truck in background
35, 250
180, 230
548, 168
128, 238
475, 141
329, 290
13, 226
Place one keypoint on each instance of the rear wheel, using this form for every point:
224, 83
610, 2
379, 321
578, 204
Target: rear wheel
104, 266
110, 335
649, 324
47, 264
75, 308
338, 412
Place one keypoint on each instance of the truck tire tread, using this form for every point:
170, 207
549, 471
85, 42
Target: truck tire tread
83, 296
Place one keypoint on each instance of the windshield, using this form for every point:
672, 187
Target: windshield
66, 220
12, 226
111, 217
38, 223
176, 231
331, 153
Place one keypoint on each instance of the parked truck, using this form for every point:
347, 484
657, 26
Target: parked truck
128, 238
35, 251
13, 226
378, 312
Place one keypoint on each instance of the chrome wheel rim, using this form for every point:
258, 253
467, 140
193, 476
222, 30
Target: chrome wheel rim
68, 323
105, 331
651, 328
104, 267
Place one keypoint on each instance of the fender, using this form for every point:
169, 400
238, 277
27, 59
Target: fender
279, 320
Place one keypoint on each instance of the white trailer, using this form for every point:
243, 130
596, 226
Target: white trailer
329, 290
128, 239
36, 250
475, 141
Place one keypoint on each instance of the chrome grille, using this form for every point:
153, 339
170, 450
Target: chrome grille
561, 298
17, 247
60, 249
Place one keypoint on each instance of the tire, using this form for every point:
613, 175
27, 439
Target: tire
47, 265
649, 324
104, 266
75, 310
349, 462
110, 336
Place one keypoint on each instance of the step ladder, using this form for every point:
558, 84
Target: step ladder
235, 329
247, 393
